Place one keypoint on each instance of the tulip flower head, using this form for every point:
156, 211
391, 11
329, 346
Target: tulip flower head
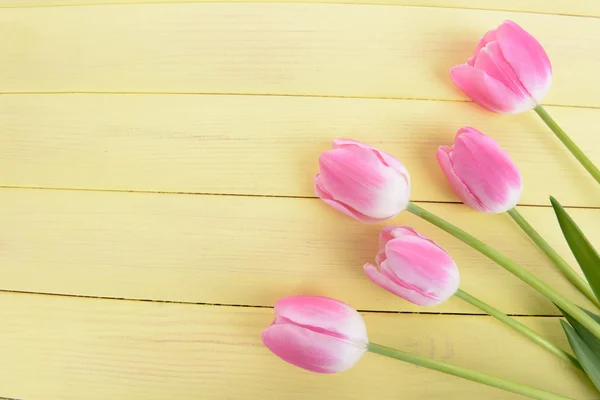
362, 181
318, 334
480, 173
509, 73
413, 267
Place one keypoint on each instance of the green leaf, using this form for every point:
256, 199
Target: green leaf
590, 340
596, 317
588, 360
586, 255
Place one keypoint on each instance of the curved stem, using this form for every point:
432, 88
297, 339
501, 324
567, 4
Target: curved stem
560, 263
569, 143
519, 327
474, 376
511, 267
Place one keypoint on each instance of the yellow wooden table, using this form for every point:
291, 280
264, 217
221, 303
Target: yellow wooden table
156, 164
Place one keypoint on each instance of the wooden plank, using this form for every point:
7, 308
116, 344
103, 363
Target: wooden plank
74, 348
265, 145
573, 7
248, 250
316, 49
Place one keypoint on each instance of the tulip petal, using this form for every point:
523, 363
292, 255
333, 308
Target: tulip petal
362, 182
486, 170
421, 264
457, 185
486, 91
410, 294
385, 235
324, 315
492, 62
403, 230
527, 58
327, 198
380, 257
393, 231
311, 350
490, 36
386, 158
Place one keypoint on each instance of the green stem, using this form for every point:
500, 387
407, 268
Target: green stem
519, 327
558, 261
511, 267
474, 376
569, 143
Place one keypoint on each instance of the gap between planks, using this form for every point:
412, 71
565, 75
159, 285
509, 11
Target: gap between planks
19, 292
396, 3
258, 94
244, 195
65, 189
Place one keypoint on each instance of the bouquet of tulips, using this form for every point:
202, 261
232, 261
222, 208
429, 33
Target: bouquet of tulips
509, 73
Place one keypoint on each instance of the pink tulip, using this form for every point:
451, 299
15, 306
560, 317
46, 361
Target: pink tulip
413, 267
510, 72
362, 181
318, 334
481, 174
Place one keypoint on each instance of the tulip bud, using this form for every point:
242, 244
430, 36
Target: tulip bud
509, 73
362, 181
413, 267
481, 174
318, 334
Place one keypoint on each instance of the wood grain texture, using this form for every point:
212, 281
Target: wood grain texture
572, 7
249, 250
279, 80
75, 348
317, 49
265, 145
